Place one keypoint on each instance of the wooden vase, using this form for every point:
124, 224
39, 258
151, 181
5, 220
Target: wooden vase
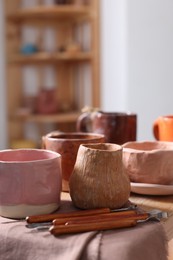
98, 179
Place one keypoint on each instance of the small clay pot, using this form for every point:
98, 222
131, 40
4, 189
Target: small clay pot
46, 102
98, 179
149, 162
67, 145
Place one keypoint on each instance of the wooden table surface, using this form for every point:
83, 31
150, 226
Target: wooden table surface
163, 203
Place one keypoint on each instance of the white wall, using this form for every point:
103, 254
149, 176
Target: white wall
150, 60
113, 54
137, 59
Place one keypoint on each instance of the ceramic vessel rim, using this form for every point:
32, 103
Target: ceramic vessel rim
156, 150
167, 117
120, 114
94, 136
90, 146
56, 155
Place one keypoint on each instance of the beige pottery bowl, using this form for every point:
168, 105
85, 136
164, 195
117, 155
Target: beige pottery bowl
149, 162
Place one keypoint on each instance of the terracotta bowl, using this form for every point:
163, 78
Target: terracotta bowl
67, 144
30, 182
149, 162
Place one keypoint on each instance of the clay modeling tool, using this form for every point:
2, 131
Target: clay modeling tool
61, 221
156, 215
131, 215
51, 217
104, 225
102, 216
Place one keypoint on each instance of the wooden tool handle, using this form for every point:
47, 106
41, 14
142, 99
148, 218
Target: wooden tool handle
51, 217
78, 228
106, 217
111, 215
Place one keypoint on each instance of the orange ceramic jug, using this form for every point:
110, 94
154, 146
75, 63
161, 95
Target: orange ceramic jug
163, 128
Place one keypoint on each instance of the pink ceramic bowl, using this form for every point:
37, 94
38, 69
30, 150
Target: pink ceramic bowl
30, 182
149, 162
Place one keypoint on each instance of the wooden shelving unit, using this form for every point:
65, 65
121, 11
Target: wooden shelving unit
71, 11
77, 69
50, 58
58, 118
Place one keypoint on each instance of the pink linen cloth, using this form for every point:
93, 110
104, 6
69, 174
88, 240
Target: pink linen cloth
145, 241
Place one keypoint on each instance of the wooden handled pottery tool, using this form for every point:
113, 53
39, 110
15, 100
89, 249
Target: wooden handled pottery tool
51, 217
103, 225
105, 213
104, 222
115, 219
131, 214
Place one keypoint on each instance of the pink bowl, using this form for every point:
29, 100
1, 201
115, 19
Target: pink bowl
149, 162
30, 182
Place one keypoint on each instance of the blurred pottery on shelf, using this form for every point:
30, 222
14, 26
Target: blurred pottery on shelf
28, 49
73, 47
46, 102
98, 179
70, 48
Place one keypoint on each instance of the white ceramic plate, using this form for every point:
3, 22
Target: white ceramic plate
151, 189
